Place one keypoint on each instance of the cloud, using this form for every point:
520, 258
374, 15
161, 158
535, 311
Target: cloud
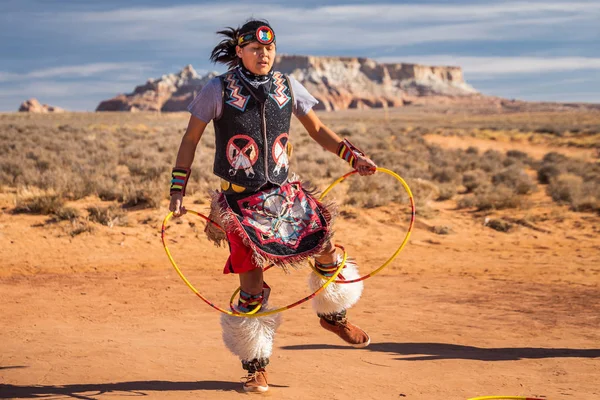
77, 71
370, 25
482, 67
175, 34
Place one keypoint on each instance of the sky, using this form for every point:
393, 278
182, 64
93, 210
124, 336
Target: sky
74, 53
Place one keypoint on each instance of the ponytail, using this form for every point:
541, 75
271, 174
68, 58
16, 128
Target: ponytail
224, 52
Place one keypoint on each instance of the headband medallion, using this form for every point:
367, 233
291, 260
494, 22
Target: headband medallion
263, 35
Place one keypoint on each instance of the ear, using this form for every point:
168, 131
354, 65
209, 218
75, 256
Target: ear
238, 51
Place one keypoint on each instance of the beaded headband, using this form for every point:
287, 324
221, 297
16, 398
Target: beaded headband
263, 35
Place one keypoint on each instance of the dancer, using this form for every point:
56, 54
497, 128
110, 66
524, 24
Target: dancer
268, 218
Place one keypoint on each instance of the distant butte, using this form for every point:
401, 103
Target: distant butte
341, 83
338, 83
34, 106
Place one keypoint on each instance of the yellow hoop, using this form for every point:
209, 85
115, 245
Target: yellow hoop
253, 313
504, 398
399, 249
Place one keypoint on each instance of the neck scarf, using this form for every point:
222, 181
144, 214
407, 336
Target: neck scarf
261, 84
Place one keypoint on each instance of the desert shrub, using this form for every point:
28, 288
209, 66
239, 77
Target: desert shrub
573, 190
445, 174
571, 181
492, 198
423, 192
517, 154
515, 178
500, 225
472, 150
548, 130
446, 191
109, 216
441, 229
554, 158
517, 157
498, 198
44, 204
371, 193
79, 227
9, 171
467, 201
547, 172
145, 195
565, 188
66, 213
492, 161
475, 179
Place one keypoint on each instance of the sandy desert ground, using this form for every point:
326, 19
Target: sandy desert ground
476, 312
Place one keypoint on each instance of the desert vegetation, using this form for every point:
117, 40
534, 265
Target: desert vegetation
118, 162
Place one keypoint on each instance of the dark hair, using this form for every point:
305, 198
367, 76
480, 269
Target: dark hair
224, 52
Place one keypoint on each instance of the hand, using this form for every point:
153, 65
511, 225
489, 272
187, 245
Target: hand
176, 205
365, 166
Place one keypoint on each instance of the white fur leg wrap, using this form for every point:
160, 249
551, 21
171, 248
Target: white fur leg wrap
336, 297
250, 338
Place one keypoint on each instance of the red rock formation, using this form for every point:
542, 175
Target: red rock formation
34, 106
346, 82
171, 92
337, 82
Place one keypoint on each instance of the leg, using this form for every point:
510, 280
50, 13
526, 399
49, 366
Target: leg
328, 255
251, 296
332, 303
251, 339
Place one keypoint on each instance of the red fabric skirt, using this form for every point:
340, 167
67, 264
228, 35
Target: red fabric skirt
240, 258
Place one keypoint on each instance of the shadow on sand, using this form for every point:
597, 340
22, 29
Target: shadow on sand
443, 351
91, 391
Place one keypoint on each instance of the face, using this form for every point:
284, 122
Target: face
257, 58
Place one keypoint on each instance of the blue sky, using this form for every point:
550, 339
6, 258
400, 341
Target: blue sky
75, 53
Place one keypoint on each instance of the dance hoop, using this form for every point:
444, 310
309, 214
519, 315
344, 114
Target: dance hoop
328, 280
235, 313
406, 237
504, 398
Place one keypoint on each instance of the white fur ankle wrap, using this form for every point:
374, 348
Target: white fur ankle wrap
250, 338
336, 297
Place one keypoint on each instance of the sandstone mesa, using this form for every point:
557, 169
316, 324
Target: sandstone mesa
338, 83
34, 106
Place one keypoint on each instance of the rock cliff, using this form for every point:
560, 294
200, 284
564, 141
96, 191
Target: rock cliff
171, 92
337, 82
34, 106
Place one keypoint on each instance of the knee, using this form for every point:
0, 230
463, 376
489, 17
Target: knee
328, 249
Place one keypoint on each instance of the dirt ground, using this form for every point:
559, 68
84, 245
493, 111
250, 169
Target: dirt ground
476, 312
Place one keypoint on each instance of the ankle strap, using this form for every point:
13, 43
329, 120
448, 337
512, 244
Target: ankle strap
255, 365
336, 317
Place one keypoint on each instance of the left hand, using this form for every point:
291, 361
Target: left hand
365, 166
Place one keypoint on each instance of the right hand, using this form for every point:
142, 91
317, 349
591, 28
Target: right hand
176, 205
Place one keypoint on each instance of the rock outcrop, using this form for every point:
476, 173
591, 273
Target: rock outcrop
34, 106
171, 92
337, 82
345, 82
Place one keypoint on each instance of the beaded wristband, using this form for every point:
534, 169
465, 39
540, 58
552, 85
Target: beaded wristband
349, 152
179, 180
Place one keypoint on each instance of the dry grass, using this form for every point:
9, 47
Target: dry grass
126, 159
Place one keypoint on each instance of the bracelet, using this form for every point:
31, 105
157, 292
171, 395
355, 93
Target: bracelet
349, 152
179, 180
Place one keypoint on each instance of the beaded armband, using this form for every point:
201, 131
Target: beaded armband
179, 180
347, 151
